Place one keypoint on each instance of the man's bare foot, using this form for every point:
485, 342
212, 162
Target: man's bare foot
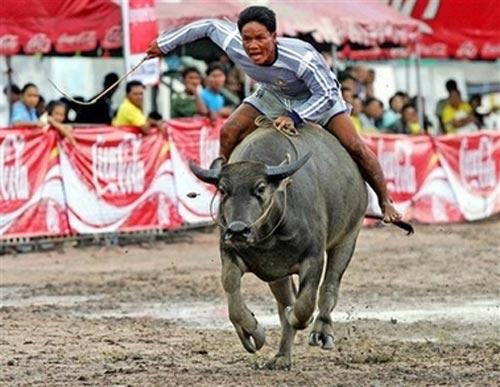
391, 215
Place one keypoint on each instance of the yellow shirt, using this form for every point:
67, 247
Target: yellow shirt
450, 114
129, 114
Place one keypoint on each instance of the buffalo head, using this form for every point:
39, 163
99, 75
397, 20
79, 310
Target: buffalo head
248, 199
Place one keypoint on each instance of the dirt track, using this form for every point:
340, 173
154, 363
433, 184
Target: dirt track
423, 310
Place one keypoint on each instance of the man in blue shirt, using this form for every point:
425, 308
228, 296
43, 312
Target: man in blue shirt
296, 85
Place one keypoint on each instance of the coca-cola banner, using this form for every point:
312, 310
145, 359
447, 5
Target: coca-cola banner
62, 25
196, 140
472, 166
116, 179
32, 199
141, 18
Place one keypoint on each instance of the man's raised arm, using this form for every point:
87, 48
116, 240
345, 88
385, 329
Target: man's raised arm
218, 31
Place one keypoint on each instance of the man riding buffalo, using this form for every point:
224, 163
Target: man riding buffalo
296, 86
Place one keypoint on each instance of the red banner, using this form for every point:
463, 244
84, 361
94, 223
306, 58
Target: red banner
196, 140
118, 180
32, 200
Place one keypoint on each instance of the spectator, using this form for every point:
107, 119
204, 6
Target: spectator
55, 115
361, 75
450, 85
130, 111
357, 109
231, 91
408, 123
392, 116
458, 115
480, 112
12, 93
348, 95
370, 83
189, 102
212, 94
40, 106
101, 112
371, 117
347, 80
24, 110
414, 102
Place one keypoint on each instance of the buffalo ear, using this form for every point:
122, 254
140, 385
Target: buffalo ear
280, 172
210, 176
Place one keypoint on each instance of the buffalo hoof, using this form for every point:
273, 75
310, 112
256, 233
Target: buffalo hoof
325, 340
279, 362
253, 341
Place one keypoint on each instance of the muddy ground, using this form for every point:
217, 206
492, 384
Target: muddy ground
421, 310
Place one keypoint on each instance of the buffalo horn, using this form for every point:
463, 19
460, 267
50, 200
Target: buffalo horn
210, 176
282, 171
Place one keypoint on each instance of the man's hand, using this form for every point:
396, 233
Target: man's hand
284, 122
153, 50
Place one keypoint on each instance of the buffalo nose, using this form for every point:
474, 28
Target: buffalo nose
237, 228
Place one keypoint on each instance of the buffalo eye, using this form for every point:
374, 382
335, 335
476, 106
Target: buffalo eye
260, 189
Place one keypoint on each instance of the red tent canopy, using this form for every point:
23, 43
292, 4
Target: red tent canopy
364, 22
464, 29
64, 25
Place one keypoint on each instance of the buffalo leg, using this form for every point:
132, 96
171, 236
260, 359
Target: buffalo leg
241, 317
338, 259
283, 291
299, 315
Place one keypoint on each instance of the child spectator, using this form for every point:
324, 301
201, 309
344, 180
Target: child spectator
212, 94
189, 103
408, 124
24, 111
54, 115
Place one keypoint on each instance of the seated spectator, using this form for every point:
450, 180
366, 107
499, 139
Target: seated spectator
408, 123
40, 106
480, 112
357, 109
371, 117
189, 103
55, 115
392, 116
458, 116
347, 80
12, 93
362, 76
414, 102
370, 83
212, 93
450, 85
130, 111
24, 110
101, 112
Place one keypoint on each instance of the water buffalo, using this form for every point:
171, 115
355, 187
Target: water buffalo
278, 218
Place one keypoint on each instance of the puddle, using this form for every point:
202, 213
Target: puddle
214, 316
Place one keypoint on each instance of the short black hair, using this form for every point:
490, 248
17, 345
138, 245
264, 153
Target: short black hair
451, 84
344, 76
369, 100
53, 104
407, 106
109, 79
14, 89
261, 15
132, 84
190, 69
215, 66
27, 86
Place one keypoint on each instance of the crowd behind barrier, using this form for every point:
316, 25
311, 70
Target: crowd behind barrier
107, 179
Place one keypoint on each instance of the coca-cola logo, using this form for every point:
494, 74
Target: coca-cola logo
490, 50
14, 182
477, 166
118, 170
435, 49
84, 40
38, 43
113, 37
9, 44
467, 50
400, 173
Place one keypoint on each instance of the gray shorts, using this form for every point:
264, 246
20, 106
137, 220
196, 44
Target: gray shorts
272, 106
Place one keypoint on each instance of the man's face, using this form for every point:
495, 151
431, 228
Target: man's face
136, 96
455, 99
397, 103
215, 80
374, 110
259, 43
